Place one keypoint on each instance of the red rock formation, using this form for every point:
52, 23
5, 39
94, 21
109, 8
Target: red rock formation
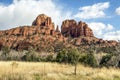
68, 28
27, 36
84, 30
44, 22
71, 28
43, 34
57, 29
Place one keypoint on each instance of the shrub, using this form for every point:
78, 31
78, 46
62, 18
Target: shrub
49, 49
62, 56
50, 58
5, 50
88, 59
119, 64
59, 46
30, 56
68, 56
110, 50
105, 59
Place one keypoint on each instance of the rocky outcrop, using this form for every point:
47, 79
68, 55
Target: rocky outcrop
42, 34
84, 30
24, 37
73, 29
43, 20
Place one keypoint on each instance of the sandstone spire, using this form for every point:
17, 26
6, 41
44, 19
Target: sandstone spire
57, 29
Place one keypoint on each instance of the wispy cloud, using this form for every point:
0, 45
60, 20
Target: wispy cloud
93, 11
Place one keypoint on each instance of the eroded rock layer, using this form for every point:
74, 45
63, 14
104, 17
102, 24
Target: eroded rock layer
42, 34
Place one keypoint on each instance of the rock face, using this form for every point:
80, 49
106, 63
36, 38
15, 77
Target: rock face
82, 35
43, 20
42, 34
73, 29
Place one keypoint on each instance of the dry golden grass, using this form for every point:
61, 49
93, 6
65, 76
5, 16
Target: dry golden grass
53, 71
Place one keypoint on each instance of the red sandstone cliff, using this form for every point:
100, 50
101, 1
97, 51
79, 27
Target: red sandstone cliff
74, 29
42, 33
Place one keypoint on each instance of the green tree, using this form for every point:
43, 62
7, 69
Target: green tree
70, 55
73, 58
88, 59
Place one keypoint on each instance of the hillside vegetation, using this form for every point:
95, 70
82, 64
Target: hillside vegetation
54, 71
94, 57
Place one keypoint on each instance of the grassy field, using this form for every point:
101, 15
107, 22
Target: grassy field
53, 71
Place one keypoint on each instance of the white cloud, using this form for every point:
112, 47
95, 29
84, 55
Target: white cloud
117, 11
94, 11
114, 35
105, 31
100, 29
23, 12
109, 27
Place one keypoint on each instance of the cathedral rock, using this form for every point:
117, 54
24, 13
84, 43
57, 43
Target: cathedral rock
42, 34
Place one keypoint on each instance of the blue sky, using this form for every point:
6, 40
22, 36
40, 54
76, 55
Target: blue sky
6, 2
114, 19
103, 16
